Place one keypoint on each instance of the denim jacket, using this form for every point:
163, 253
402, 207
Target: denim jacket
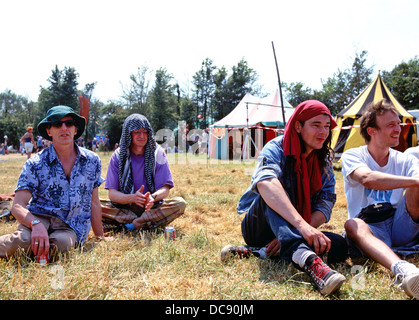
272, 163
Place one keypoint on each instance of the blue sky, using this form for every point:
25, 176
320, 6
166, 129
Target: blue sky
106, 41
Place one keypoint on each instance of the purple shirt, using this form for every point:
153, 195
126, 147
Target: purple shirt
162, 175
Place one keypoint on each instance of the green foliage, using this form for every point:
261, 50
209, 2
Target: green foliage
188, 111
163, 102
61, 91
242, 80
136, 94
214, 93
9, 125
337, 91
16, 114
114, 116
403, 82
95, 117
221, 106
296, 93
203, 81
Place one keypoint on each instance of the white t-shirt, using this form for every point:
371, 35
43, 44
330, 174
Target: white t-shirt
414, 151
359, 197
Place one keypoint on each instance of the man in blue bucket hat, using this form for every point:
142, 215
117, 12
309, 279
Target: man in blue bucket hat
57, 200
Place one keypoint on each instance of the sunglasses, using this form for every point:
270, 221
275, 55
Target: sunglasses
68, 123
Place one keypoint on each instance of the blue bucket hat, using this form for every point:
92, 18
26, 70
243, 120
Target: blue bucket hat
56, 114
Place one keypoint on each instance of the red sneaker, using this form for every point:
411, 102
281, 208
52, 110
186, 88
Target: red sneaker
326, 279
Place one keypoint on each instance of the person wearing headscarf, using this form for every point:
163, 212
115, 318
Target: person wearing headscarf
292, 193
139, 179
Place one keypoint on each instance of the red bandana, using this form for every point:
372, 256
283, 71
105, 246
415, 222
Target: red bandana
307, 169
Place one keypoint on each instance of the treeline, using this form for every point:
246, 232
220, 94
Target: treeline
212, 94
345, 85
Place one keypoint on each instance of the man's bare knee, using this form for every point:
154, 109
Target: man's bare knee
355, 227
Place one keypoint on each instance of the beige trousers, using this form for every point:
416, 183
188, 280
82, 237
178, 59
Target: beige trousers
61, 237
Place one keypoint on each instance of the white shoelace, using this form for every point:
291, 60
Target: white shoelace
401, 270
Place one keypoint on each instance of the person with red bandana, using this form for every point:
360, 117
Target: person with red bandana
292, 193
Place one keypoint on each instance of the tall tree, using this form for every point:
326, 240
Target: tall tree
61, 91
137, 93
345, 85
16, 114
241, 81
220, 101
88, 89
114, 115
163, 101
216, 93
403, 82
188, 112
203, 80
95, 120
231, 90
296, 93
360, 75
334, 93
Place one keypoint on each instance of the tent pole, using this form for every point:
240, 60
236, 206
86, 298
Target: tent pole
247, 114
280, 88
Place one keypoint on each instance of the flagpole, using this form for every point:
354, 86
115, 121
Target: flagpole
280, 88
84, 112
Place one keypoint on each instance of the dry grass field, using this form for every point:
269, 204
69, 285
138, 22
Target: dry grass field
144, 266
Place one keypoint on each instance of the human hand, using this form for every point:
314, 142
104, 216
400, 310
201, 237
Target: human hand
140, 198
145, 201
39, 240
317, 240
273, 247
149, 202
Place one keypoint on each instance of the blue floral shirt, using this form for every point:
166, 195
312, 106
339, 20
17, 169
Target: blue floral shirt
43, 175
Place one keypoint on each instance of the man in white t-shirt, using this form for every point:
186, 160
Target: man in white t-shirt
382, 191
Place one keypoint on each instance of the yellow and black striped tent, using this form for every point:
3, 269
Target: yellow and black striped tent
347, 133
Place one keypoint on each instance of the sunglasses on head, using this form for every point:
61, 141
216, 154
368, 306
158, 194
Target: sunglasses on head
68, 123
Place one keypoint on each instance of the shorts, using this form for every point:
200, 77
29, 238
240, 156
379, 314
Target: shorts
399, 231
28, 147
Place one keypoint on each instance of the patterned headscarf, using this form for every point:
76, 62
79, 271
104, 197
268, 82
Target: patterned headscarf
135, 122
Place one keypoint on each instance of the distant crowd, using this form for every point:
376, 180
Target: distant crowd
95, 144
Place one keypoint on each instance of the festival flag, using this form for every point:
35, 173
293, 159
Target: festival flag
84, 107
